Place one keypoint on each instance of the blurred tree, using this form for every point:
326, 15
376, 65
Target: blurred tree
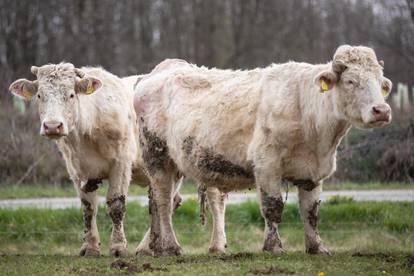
132, 36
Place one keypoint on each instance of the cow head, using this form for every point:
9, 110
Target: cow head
358, 86
56, 90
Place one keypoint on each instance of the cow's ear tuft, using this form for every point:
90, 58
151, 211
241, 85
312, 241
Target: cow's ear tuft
24, 89
325, 81
87, 85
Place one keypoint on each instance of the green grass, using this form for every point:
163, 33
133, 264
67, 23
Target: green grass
36, 191
367, 186
67, 190
48, 241
291, 263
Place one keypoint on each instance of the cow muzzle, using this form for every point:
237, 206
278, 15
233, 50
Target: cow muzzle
53, 129
381, 113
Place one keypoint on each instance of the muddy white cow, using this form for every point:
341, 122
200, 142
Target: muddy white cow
233, 130
89, 113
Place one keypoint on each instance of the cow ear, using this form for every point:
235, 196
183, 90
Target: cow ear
87, 85
325, 81
24, 89
386, 87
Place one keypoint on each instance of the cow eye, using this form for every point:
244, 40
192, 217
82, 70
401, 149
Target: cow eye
38, 96
72, 96
351, 82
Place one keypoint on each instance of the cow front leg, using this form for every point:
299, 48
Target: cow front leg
215, 198
116, 202
271, 206
309, 208
268, 184
89, 201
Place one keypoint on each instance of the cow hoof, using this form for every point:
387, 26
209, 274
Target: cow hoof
118, 251
274, 250
144, 252
173, 251
217, 250
169, 251
319, 250
89, 252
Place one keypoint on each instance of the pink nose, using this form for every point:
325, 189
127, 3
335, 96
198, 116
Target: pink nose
53, 128
382, 112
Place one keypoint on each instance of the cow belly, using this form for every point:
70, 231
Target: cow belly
213, 169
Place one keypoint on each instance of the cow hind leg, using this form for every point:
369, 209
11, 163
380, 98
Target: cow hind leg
163, 239
143, 247
89, 201
216, 203
309, 208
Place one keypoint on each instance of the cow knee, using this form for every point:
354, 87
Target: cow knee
117, 209
272, 207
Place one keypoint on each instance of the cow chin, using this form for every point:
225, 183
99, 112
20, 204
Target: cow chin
55, 137
369, 123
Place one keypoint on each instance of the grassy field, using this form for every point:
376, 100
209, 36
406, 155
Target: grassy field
367, 238
33, 191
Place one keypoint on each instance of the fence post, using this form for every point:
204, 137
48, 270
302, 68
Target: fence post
19, 104
396, 98
405, 100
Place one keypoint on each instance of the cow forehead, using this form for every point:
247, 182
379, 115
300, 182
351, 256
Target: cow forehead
362, 59
56, 79
56, 72
364, 72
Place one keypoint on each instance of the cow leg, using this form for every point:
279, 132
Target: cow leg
163, 239
89, 200
144, 246
217, 207
116, 200
271, 206
309, 207
269, 185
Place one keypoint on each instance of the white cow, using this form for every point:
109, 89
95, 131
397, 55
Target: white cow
97, 134
233, 130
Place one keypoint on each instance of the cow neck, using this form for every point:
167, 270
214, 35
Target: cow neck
84, 122
330, 127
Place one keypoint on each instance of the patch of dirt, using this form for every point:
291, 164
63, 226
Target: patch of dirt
206, 259
409, 262
383, 256
122, 265
148, 267
272, 270
235, 257
131, 268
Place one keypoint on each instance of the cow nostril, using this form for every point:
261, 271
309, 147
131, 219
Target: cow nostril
381, 112
53, 127
376, 110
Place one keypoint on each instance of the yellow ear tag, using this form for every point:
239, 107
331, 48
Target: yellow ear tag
89, 90
324, 85
27, 94
384, 93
